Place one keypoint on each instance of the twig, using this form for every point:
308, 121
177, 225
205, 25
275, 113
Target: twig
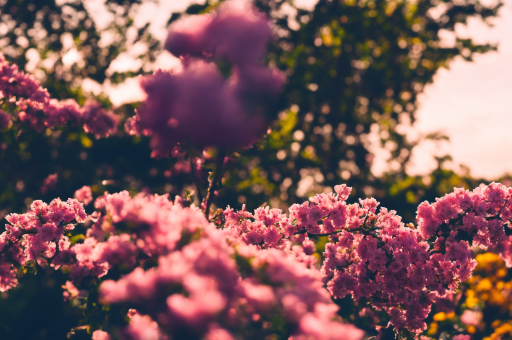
213, 185
196, 182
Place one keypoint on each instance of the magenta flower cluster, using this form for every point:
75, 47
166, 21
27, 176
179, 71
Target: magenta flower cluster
199, 287
186, 278
374, 257
189, 277
31, 104
38, 236
197, 105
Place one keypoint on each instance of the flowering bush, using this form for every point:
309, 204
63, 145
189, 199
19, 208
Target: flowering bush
26, 104
197, 105
174, 267
376, 259
168, 270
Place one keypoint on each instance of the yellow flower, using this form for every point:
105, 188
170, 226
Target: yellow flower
441, 316
432, 329
501, 331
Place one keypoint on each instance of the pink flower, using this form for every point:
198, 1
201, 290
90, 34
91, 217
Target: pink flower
117, 250
5, 119
259, 295
136, 286
84, 195
217, 333
36, 109
7, 277
72, 292
49, 183
461, 337
142, 328
100, 335
316, 328
195, 106
198, 308
237, 31
470, 317
134, 128
98, 121
189, 276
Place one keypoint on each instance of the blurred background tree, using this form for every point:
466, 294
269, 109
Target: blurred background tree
354, 72
354, 69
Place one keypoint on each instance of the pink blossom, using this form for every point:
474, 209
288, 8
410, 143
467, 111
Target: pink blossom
100, 335
209, 286
217, 333
36, 109
142, 328
98, 121
197, 105
237, 31
71, 292
197, 309
84, 195
136, 286
313, 327
260, 295
7, 277
117, 250
461, 337
5, 119
38, 234
188, 276
134, 128
187, 35
470, 317
374, 256
49, 183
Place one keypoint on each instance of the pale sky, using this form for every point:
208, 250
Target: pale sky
471, 102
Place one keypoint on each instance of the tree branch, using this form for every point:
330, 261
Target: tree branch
213, 185
196, 182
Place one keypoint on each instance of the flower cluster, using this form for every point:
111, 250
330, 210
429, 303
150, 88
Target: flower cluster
185, 278
374, 257
204, 285
84, 195
31, 104
37, 236
197, 105
489, 285
486, 293
254, 274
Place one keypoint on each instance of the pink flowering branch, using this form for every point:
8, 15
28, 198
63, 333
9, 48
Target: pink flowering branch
28, 104
259, 265
196, 106
198, 284
374, 257
37, 236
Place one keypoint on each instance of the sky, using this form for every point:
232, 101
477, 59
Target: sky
471, 102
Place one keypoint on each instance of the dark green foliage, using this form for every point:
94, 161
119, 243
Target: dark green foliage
354, 69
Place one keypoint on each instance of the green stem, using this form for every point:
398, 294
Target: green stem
213, 185
196, 182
